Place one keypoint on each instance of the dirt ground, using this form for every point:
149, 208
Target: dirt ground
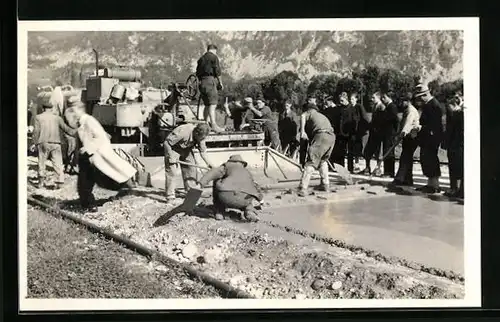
67, 261
264, 261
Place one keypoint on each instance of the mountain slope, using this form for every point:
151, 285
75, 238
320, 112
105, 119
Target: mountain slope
173, 55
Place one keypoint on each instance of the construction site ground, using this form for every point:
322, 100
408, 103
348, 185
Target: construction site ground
358, 242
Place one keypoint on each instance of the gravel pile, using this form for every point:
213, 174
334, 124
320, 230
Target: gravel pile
66, 261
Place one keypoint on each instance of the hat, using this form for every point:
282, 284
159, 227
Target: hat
406, 97
309, 106
344, 95
248, 100
211, 46
74, 101
237, 158
47, 104
421, 90
329, 98
260, 98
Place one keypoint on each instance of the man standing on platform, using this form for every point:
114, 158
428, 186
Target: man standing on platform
208, 72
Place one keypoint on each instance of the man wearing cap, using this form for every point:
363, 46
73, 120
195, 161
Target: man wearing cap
433, 122
383, 127
208, 72
454, 144
236, 110
178, 146
316, 128
409, 131
233, 187
98, 163
269, 125
47, 139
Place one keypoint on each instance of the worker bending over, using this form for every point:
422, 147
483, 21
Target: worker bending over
98, 163
47, 139
233, 187
316, 128
178, 146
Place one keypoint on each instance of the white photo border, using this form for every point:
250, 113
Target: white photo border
472, 209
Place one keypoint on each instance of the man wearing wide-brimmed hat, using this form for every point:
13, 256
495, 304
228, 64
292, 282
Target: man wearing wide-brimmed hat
409, 132
316, 128
233, 187
433, 123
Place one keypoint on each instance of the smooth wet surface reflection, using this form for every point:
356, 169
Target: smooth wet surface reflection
418, 229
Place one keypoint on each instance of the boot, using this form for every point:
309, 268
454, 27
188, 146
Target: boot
251, 216
304, 181
325, 179
169, 188
213, 124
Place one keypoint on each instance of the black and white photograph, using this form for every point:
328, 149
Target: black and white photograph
237, 164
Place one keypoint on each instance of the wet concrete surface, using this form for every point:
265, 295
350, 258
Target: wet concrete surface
410, 227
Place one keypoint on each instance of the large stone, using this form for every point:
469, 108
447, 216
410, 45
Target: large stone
190, 251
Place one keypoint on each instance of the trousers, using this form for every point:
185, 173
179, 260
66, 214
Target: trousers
375, 141
344, 146
189, 174
50, 152
405, 170
88, 177
429, 148
231, 199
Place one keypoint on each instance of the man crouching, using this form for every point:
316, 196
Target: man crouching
233, 187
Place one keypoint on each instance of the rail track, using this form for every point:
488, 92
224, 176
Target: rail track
225, 289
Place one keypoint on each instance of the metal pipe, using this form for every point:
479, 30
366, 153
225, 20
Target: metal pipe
96, 62
230, 292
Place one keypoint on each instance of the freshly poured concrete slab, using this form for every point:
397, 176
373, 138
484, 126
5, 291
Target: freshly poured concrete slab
411, 227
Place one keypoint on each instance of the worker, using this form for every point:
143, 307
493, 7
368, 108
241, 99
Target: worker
408, 133
47, 140
233, 187
235, 110
208, 72
383, 129
269, 124
57, 100
98, 163
433, 122
316, 128
70, 151
454, 144
345, 126
361, 136
288, 126
178, 146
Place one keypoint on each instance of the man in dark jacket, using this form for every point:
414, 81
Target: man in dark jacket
47, 138
288, 127
433, 123
208, 72
235, 110
345, 126
383, 128
454, 144
233, 187
361, 136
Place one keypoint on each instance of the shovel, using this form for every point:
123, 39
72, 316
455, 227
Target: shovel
190, 201
342, 172
379, 162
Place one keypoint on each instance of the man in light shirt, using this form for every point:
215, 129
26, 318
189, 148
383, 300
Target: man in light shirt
409, 130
